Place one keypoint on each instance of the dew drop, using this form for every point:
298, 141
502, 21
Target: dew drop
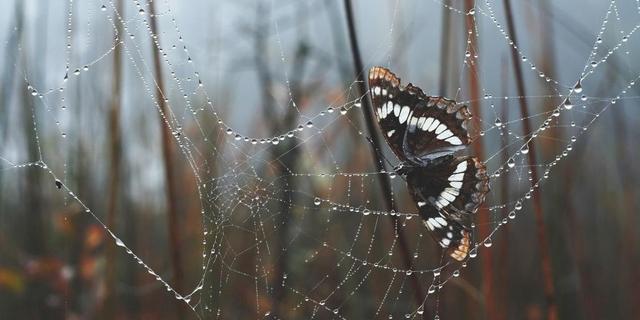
317, 201
103, 8
578, 87
366, 212
488, 243
511, 163
343, 110
518, 205
309, 124
141, 12
498, 122
58, 184
567, 104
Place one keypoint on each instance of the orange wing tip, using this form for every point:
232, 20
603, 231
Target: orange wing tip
383, 74
461, 252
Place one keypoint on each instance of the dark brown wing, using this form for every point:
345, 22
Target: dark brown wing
446, 193
417, 127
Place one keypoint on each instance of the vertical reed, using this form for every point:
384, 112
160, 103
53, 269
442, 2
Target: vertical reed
113, 188
484, 219
545, 256
167, 153
385, 184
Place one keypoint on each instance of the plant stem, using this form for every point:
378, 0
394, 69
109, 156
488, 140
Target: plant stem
545, 260
167, 152
385, 184
484, 219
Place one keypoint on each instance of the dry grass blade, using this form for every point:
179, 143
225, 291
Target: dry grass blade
484, 219
545, 260
385, 184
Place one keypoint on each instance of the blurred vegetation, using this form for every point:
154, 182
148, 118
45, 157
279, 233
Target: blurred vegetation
135, 122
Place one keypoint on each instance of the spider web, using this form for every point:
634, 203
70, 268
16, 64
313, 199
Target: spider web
289, 201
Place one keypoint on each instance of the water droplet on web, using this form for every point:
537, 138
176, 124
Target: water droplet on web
58, 184
141, 12
229, 131
343, 110
488, 243
567, 104
525, 149
309, 124
578, 87
103, 8
625, 38
366, 212
456, 273
85, 68
317, 201
498, 122
119, 242
518, 205
467, 54
76, 72
512, 215
511, 163
473, 253
436, 273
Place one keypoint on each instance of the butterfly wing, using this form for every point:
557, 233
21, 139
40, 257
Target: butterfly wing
387, 99
417, 127
446, 193
437, 127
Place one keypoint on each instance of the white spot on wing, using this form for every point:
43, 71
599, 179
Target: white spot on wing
454, 141
441, 128
420, 122
376, 91
390, 133
444, 135
421, 203
456, 177
433, 125
427, 123
456, 184
447, 196
396, 110
462, 167
404, 113
445, 242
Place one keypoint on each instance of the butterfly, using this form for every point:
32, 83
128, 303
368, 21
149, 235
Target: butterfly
426, 133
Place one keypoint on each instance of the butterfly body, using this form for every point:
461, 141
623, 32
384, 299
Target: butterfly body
425, 133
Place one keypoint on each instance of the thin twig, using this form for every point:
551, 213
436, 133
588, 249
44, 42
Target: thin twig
385, 184
167, 152
484, 219
545, 260
115, 146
